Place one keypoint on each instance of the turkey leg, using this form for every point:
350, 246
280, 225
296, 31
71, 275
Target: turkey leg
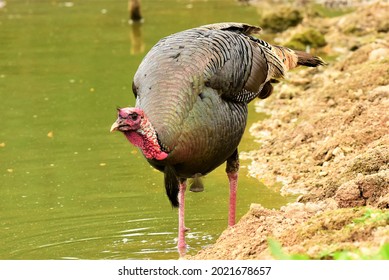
181, 219
232, 169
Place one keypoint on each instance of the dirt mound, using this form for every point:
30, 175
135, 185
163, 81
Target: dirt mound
316, 230
327, 139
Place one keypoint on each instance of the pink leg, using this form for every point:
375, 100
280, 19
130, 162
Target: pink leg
181, 220
233, 179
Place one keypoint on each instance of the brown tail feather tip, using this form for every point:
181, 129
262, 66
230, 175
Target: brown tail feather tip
309, 60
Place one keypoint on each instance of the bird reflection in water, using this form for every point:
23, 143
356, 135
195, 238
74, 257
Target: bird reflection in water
136, 39
135, 20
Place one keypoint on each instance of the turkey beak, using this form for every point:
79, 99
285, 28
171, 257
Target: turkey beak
115, 126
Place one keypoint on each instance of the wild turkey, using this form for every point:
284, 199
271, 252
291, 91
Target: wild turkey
192, 91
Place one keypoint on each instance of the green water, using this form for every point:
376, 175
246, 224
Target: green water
68, 188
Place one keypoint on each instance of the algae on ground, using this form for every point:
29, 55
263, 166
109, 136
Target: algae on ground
327, 234
281, 19
309, 37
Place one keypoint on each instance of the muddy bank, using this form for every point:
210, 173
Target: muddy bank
327, 140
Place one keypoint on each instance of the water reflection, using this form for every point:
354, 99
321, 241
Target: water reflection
136, 39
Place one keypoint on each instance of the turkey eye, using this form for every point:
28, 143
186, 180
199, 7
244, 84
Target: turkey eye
134, 116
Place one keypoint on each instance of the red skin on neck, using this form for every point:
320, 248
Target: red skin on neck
146, 139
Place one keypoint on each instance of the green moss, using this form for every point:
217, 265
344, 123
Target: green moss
329, 224
324, 11
309, 37
334, 233
278, 253
381, 254
354, 30
281, 19
373, 216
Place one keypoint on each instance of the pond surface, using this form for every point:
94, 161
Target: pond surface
68, 188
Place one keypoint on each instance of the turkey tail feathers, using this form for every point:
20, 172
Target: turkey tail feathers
292, 58
171, 185
307, 59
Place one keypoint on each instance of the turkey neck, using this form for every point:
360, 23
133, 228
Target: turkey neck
146, 139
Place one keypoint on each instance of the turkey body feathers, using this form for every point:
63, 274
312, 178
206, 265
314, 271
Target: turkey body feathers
194, 87
188, 88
